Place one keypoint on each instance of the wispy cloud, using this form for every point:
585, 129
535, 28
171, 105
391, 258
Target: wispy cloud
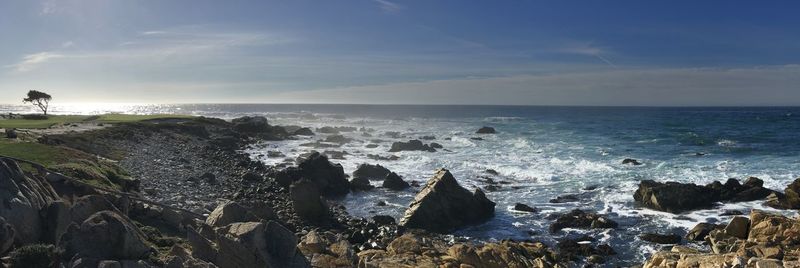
30, 62
388, 6
587, 49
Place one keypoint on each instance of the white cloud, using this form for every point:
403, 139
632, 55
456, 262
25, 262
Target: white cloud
587, 49
389, 6
30, 62
659, 87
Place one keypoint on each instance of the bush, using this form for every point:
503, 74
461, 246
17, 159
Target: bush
34, 117
33, 256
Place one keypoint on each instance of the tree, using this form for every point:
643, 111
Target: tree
38, 98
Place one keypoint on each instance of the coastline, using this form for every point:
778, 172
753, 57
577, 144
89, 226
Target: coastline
176, 156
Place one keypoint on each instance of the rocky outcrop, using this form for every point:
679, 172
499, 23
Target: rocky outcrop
525, 208
257, 244
315, 167
7, 234
327, 249
303, 131
307, 202
23, 197
486, 130
790, 199
259, 127
229, 212
394, 182
677, 197
412, 145
765, 240
583, 220
360, 184
371, 172
443, 205
105, 235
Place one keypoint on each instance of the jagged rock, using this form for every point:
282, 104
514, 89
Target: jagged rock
307, 202
701, 230
661, 239
738, 227
228, 213
392, 181
721, 242
251, 124
202, 248
105, 235
674, 197
443, 205
436, 145
412, 145
304, 131
360, 184
7, 234
327, 250
329, 177
580, 219
525, 208
371, 172
790, 199
179, 257
22, 198
56, 218
486, 130
766, 227
257, 244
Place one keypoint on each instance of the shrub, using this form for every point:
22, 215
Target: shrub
33, 256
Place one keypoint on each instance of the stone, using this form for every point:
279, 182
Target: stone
486, 130
304, 131
23, 197
383, 220
307, 202
701, 230
105, 235
738, 227
661, 238
412, 145
7, 234
584, 220
360, 184
394, 182
629, 161
371, 172
11, 133
443, 205
202, 248
227, 213
257, 244
525, 208
329, 177
674, 197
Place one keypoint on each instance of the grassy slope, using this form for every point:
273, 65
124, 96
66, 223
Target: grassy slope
68, 119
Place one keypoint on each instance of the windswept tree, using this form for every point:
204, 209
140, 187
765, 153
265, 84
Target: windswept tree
38, 98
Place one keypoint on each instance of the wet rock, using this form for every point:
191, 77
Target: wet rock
492, 172
105, 235
436, 145
275, 154
486, 130
371, 172
360, 184
731, 212
525, 208
328, 176
476, 138
583, 220
629, 161
701, 230
392, 181
427, 138
674, 197
303, 132
372, 146
11, 133
661, 238
338, 139
565, 199
412, 145
443, 205
23, 197
383, 158
307, 202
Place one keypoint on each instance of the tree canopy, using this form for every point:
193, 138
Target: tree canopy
38, 98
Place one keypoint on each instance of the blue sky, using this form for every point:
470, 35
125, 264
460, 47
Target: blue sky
393, 51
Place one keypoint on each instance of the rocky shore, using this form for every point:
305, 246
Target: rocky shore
191, 198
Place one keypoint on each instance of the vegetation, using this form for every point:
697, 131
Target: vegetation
33, 256
40, 99
33, 123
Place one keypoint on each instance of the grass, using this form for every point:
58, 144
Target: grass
53, 120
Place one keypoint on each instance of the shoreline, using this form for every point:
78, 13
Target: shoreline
191, 148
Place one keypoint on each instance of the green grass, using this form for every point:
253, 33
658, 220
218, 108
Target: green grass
53, 120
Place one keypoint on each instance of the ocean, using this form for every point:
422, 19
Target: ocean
541, 153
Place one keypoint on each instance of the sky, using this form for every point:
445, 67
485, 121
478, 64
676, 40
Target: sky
515, 52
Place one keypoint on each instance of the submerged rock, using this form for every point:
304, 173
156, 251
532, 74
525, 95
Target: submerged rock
412, 145
583, 220
678, 197
525, 208
486, 130
443, 205
629, 161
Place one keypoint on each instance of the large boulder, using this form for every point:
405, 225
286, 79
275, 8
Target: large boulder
486, 130
394, 182
307, 202
371, 172
412, 145
329, 177
11, 133
105, 235
23, 197
673, 196
258, 126
228, 213
443, 205
258, 244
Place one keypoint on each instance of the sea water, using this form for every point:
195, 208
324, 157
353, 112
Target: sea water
541, 153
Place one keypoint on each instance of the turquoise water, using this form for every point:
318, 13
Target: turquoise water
543, 152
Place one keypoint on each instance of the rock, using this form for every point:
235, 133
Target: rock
383, 220
371, 172
257, 244
722, 243
525, 208
790, 199
22, 198
105, 235
443, 205
491, 171
412, 145
738, 227
307, 202
486, 130
229, 212
701, 230
209, 177
7, 234
580, 219
338, 139
251, 177
275, 154
202, 248
392, 181
766, 227
329, 177
303, 132
731, 212
11, 133
360, 184
674, 197
631, 162
565, 199
436, 145
661, 239
251, 124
